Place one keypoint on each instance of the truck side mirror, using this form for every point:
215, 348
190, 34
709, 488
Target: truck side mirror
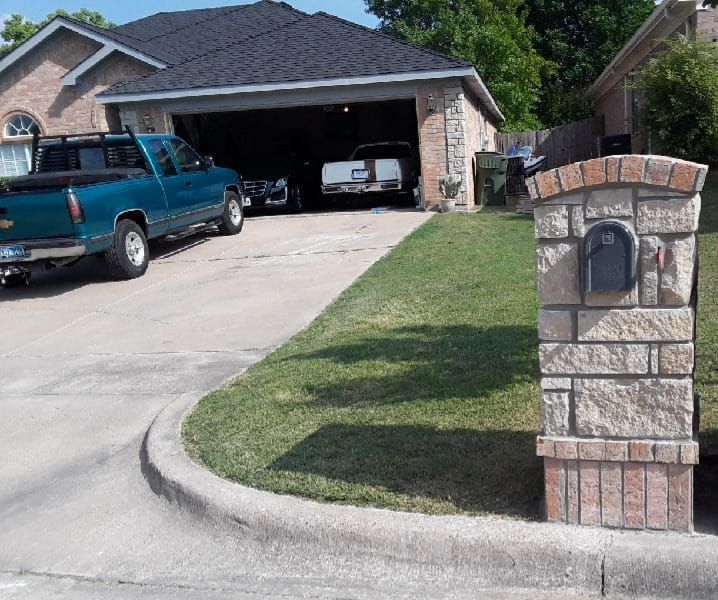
208, 163
609, 258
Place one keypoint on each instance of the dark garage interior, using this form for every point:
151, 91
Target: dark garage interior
268, 144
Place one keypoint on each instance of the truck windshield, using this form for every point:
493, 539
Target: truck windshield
383, 151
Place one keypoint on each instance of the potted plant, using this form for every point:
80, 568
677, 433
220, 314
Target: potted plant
449, 186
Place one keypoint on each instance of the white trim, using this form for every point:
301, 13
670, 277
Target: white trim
70, 78
59, 23
485, 95
661, 16
274, 87
467, 72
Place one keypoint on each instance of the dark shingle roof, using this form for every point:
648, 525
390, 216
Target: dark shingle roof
177, 37
268, 42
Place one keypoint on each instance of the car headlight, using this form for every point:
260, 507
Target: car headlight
281, 183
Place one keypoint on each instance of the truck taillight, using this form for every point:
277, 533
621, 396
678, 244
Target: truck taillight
74, 207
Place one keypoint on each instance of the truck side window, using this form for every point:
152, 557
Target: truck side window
163, 158
187, 158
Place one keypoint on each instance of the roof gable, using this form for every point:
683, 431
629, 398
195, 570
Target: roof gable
103, 36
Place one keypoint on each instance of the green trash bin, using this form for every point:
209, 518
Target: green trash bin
491, 178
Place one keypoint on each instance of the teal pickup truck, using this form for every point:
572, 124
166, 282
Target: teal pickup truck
107, 194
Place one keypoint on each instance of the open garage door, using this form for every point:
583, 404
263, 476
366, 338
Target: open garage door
280, 152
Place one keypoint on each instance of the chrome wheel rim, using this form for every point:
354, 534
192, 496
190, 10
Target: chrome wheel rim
235, 212
135, 248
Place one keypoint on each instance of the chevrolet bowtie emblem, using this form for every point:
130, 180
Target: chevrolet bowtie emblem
5, 224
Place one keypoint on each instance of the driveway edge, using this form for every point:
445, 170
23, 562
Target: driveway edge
495, 552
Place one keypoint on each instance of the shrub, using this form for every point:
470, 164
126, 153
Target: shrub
680, 88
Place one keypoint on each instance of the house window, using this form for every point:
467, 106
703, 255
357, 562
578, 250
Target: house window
14, 159
19, 124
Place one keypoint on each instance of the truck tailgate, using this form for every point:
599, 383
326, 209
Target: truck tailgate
359, 171
34, 215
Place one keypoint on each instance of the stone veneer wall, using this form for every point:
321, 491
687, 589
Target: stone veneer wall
618, 439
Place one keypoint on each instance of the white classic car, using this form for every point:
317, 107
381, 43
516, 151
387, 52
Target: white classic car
388, 167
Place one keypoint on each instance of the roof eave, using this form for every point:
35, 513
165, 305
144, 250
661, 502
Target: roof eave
468, 74
60, 23
658, 21
477, 85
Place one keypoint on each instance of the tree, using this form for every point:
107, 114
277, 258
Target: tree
680, 91
490, 34
17, 29
581, 37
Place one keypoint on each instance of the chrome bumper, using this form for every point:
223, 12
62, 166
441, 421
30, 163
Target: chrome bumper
361, 188
39, 250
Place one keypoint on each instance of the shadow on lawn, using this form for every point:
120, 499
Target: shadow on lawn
428, 363
477, 471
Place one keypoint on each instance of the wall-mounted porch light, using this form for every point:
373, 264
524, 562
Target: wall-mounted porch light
149, 122
431, 104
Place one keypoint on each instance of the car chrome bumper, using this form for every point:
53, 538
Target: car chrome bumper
362, 188
39, 250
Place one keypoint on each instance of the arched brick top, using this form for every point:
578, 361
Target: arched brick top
19, 110
658, 171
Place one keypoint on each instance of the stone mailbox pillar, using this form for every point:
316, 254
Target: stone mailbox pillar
616, 269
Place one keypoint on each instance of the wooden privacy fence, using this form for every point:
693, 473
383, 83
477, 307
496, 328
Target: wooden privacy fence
561, 145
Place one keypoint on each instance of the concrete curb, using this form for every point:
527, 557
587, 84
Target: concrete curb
497, 552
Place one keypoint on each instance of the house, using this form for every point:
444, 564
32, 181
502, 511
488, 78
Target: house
610, 94
238, 79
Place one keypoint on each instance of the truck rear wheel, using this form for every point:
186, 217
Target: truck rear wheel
233, 215
129, 256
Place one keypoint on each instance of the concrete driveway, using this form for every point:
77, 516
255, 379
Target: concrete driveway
87, 363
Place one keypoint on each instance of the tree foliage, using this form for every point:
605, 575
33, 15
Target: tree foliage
16, 29
581, 37
490, 34
680, 90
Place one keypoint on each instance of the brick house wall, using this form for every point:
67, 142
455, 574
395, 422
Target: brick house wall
449, 139
432, 142
480, 136
618, 106
32, 85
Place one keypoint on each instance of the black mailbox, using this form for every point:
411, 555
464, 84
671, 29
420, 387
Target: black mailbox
609, 258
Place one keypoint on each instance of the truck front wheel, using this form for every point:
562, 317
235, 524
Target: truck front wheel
130, 255
233, 215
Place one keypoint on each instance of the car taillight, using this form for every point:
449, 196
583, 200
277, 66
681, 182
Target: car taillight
74, 207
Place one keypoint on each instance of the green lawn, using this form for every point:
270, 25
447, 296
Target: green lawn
707, 343
417, 390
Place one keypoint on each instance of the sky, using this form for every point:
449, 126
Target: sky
129, 10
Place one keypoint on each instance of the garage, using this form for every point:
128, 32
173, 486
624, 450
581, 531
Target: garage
290, 145
304, 89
